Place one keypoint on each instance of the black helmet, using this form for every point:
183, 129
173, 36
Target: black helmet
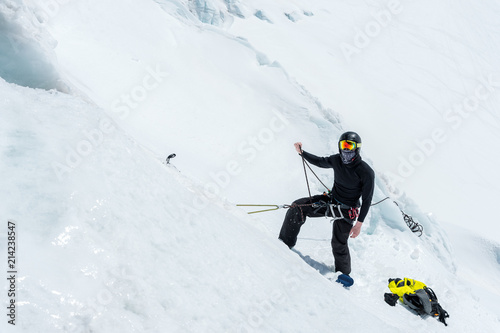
349, 146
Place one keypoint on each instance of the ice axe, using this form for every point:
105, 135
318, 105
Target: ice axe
170, 157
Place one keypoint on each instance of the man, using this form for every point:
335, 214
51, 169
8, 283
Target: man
353, 179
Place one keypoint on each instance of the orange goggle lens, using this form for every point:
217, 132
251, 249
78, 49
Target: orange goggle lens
347, 144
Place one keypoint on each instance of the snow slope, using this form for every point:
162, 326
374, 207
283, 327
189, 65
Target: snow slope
426, 73
26, 49
116, 246
436, 73
115, 241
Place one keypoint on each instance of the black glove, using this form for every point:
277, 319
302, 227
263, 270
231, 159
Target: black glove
391, 299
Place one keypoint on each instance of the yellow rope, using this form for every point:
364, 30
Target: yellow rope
275, 207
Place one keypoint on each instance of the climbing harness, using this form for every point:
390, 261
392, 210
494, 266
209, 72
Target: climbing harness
353, 212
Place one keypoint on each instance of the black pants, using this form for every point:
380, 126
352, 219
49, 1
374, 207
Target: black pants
296, 217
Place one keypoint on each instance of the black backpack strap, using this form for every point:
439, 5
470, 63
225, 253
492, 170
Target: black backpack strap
437, 310
431, 293
414, 302
442, 314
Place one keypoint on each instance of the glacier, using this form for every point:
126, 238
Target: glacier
94, 96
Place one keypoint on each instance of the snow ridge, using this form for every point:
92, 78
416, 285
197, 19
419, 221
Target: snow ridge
26, 49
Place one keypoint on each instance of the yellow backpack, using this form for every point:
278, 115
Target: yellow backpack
417, 296
405, 286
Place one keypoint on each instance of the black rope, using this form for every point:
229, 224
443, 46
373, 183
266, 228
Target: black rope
305, 162
414, 226
307, 181
380, 201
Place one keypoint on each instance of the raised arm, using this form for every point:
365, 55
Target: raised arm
322, 162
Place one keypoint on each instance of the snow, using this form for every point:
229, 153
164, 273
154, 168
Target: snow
425, 66
26, 49
95, 94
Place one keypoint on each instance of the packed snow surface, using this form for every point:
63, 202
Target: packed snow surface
94, 95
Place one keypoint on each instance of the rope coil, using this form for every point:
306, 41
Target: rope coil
414, 226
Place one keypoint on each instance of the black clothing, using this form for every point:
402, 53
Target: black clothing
351, 181
296, 216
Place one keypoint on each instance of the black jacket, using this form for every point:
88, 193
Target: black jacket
351, 181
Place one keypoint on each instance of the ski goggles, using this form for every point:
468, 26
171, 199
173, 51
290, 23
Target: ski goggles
348, 145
